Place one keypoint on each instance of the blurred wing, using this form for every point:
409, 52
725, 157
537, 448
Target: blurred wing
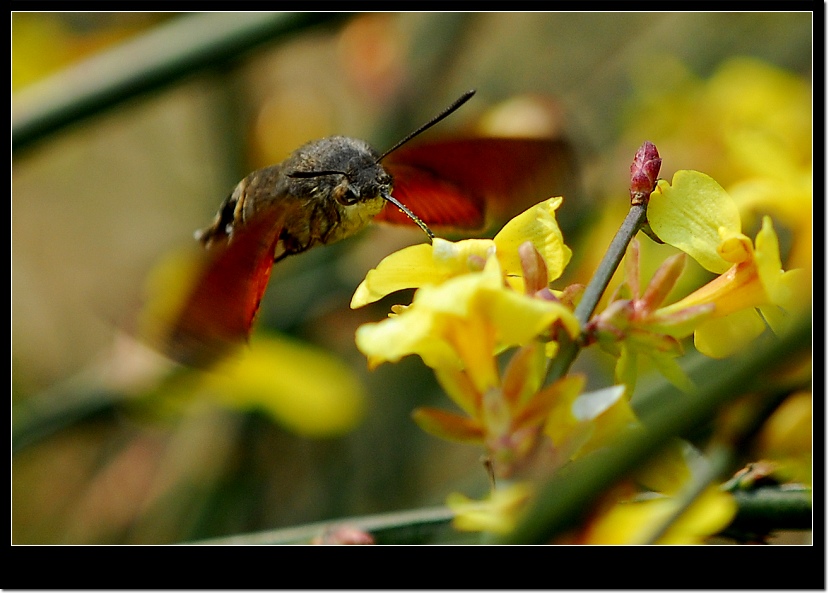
436, 201
477, 183
220, 297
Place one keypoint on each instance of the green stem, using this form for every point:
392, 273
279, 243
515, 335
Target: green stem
612, 259
771, 508
163, 55
597, 285
421, 526
764, 509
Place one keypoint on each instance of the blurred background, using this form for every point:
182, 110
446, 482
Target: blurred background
112, 445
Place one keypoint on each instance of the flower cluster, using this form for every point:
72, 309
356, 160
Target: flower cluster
476, 299
500, 340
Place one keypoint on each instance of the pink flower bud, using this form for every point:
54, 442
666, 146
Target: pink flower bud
343, 535
644, 172
535, 272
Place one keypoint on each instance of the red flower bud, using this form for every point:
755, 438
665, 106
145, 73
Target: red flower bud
644, 172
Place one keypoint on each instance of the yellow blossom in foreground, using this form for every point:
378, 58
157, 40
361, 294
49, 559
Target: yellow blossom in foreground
423, 265
462, 323
476, 299
696, 215
787, 437
636, 522
496, 514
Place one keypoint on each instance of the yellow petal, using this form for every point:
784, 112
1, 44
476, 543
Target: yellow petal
787, 437
413, 332
627, 522
422, 265
408, 268
722, 337
696, 215
473, 339
635, 522
609, 413
519, 318
738, 288
454, 258
303, 388
668, 472
499, 513
789, 290
459, 388
562, 420
709, 514
538, 225
456, 295
734, 248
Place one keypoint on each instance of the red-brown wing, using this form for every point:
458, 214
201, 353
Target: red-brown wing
437, 202
475, 183
219, 312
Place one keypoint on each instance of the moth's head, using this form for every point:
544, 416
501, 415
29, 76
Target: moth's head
341, 168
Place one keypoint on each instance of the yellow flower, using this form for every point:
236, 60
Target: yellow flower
496, 514
787, 437
475, 299
458, 328
423, 265
635, 522
462, 323
301, 387
696, 215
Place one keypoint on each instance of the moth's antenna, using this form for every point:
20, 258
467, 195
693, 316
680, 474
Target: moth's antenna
312, 174
448, 111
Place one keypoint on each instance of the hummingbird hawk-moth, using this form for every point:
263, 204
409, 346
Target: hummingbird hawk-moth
329, 189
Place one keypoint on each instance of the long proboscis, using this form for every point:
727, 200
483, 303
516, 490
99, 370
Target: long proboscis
389, 198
